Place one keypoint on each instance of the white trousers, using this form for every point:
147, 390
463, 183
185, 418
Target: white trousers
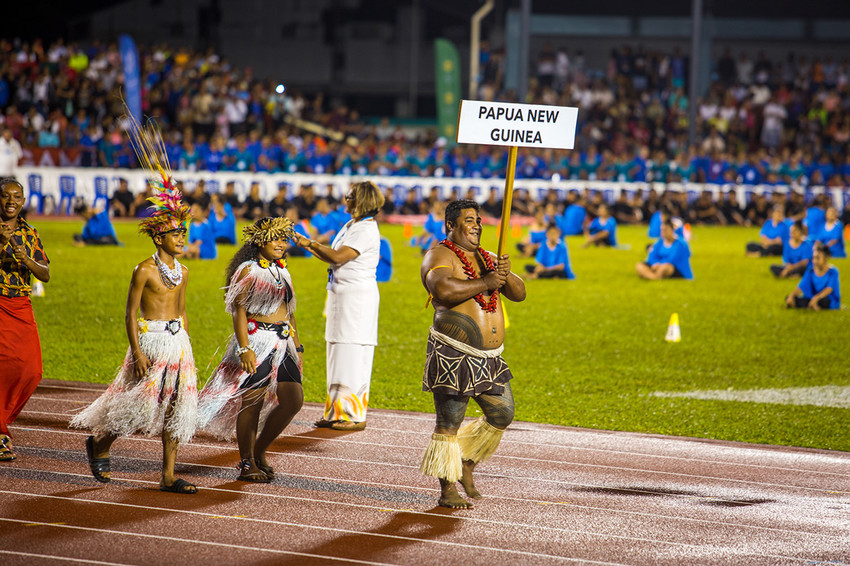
349, 376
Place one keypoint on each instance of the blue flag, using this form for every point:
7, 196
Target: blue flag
132, 82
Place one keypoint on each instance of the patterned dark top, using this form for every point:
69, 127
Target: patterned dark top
15, 279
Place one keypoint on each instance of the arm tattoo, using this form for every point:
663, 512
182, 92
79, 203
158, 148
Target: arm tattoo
460, 327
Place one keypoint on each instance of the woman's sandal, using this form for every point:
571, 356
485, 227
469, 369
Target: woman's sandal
98, 466
323, 423
6, 452
253, 477
349, 426
180, 486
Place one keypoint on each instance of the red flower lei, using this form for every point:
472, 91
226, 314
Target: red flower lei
486, 305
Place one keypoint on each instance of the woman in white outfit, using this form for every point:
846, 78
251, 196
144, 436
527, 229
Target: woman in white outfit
351, 330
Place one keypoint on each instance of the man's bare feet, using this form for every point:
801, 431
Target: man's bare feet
466, 480
449, 497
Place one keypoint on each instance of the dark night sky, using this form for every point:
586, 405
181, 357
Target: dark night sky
30, 22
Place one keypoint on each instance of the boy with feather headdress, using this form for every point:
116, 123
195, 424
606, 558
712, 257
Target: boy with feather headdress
155, 391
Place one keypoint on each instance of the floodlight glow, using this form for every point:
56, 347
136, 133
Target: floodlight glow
280, 88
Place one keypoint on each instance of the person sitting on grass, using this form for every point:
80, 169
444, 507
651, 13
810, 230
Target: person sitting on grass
98, 230
796, 253
773, 234
201, 236
818, 289
552, 260
300, 226
602, 230
661, 216
536, 234
832, 234
155, 391
223, 220
572, 221
324, 222
435, 229
669, 258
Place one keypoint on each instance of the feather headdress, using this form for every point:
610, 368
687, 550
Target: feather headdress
169, 211
268, 229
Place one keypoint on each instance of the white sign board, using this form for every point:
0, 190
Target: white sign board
521, 125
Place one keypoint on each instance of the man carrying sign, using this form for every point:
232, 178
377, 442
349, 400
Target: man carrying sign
463, 357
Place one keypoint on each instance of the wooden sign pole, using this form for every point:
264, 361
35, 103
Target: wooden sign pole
504, 225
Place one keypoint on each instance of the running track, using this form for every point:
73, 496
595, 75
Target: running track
553, 495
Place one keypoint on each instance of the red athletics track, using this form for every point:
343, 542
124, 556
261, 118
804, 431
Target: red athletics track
553, 495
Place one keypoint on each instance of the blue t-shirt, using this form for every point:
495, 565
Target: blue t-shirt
815, 219
301, 228
772, 230
324, 223
791, 254
811, 284
655, 226
550, 257
204, 233
835, 233
226, 227
678, 254
572, 220
537, 236
384, 271
610, 225
98, 226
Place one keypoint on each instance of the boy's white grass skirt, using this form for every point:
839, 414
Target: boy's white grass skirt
129, 406
220, 400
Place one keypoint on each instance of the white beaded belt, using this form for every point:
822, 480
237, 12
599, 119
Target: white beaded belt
172, 326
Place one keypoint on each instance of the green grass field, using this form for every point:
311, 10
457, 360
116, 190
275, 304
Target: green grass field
588, 352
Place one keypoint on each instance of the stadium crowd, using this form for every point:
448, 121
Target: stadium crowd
762, 122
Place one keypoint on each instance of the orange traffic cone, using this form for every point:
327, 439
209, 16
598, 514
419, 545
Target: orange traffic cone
407, 231
516, 232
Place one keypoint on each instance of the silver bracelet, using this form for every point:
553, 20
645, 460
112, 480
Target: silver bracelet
242, 349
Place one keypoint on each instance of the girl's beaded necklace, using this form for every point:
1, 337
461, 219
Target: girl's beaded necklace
486, 305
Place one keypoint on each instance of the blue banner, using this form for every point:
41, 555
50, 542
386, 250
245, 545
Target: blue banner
132, 82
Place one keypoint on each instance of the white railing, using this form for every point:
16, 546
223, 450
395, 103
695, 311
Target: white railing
93, 183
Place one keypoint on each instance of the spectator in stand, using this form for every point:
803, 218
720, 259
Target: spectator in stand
819, 288
756, 211
389, 202
280, 202
832, 234
10, 154
410, 205
98, 230
551, 260
731, 210
796, 253
121, 203
668, 258
142, 207
492, 207
773, 235
198, 195
305, 201
223, 220
602, 231
201, 241
624, 212
253, 207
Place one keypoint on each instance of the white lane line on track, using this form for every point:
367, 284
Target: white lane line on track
296, 525
653, 516
426, 434
490, 522
62, 558
562, 462
190, 541
495, 475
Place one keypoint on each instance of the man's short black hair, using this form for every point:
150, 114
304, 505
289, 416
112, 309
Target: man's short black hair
454, 208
